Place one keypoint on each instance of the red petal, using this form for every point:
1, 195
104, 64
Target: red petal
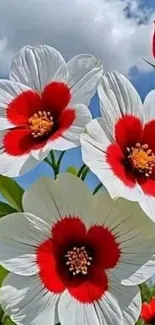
146, 313
147, 185
103, 241
90, 289
128, 131
152, 305
23, 107
18, 142
116, 158
148, 135
68, 230
56, 97
153, 43
49, 272
65, 121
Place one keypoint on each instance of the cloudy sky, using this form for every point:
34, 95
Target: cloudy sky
119, 32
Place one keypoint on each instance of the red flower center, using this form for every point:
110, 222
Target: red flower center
76, 259
41, 124
141, 159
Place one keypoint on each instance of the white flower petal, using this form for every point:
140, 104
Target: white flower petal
9, 90
36, 66
20, 234
13, 166
149, 107
39, 200
134, 232
84, 74
60, 199
117, 98
94, 144
26, 301
83, 116
60, 144
105, 311
129, 301
147, 203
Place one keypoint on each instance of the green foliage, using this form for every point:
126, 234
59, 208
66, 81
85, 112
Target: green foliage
147, 292
5, 209
12, 192
71, 170
3, 274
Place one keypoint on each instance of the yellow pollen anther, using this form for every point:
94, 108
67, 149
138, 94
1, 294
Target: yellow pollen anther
78, 260
141, 158
41, 124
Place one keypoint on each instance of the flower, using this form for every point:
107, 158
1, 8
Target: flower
43, 106
120, 147
148, 311
74, 258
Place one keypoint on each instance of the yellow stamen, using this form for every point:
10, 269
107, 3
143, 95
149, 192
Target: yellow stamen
41, 124
78, 260
142, 159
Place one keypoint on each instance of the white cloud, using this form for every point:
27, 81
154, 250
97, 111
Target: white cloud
99, 27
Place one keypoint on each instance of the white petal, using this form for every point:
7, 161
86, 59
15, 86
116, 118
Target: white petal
147, 203
13, 166
117, 98
149, 107
65, 196
39, 200
36, 66
20, 234
84, 74
94, 144
9, 90
106, 311
27, 301
129, 301
60, 144
134, 233
83, 116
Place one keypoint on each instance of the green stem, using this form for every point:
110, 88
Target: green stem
60, 159
48, 161
85, 172
97, 188
81, 170
54, 163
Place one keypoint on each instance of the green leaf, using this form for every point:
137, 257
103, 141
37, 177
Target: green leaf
5, 209
3, 274
71, 170
7, 321
12, 192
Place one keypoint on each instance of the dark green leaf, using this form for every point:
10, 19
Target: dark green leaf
5, 209
12, 192
3, 274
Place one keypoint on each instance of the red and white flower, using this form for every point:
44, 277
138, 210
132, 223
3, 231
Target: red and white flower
120, 147
76, 258
43, 106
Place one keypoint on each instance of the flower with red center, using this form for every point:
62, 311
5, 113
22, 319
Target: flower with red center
148, 312
120, 147
74, 258
43, 106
